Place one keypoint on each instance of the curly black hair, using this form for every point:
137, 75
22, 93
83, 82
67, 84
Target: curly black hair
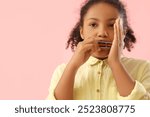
75, 38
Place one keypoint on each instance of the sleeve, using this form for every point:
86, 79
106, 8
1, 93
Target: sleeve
54, 81
141, 89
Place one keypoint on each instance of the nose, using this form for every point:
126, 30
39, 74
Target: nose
102, 32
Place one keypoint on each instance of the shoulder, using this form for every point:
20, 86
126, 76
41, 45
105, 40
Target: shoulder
59, 70
56, 75
61, 66
138, 68
135, 62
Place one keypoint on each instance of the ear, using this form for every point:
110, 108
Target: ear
81, 32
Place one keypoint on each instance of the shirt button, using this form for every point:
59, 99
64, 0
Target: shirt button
99, 72
97, 90
146, 97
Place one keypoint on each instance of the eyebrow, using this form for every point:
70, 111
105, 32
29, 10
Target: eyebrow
112, 19
98, 19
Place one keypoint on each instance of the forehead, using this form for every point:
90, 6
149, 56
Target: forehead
102, 11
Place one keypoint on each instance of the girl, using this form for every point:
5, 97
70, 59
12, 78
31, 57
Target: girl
97, 70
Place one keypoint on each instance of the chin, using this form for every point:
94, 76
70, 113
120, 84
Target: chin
101, 54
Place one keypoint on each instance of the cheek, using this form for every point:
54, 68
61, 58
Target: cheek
111, 35
89, 33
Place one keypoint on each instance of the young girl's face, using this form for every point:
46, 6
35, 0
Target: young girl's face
99, 23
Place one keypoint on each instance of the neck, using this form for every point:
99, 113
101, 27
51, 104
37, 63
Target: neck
101, 58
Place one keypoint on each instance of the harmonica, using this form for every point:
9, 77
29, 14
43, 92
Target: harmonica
104, 44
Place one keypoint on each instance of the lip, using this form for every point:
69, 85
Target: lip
104, 42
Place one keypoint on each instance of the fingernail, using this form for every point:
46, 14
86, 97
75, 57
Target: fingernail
116, 20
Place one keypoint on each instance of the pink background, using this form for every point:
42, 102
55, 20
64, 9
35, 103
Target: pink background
33, 36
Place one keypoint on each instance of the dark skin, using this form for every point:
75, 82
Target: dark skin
102, 22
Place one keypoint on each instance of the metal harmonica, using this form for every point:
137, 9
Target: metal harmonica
104, 44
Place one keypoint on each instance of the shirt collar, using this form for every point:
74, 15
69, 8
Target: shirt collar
92, 61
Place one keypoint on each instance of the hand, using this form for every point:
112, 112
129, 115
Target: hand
117, 45
83, 51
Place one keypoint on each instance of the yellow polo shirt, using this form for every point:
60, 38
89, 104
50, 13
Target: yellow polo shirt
94, 80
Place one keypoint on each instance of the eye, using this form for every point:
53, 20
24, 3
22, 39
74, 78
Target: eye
93, 25
111, 25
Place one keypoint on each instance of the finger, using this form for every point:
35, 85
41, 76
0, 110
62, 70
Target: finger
89, 40
115, 32
120, 36
122, 30
118, 30
121, 26
89, 47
